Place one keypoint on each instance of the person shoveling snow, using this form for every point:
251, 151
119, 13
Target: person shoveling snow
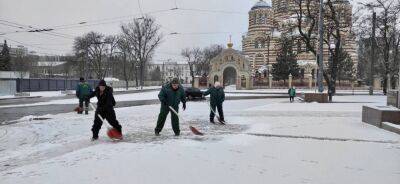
217, 97
83, 90
170, 96
105, 108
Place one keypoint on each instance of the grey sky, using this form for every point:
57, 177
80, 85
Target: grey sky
51, 13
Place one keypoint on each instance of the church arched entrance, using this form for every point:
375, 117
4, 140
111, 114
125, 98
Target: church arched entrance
216, 78
229, 76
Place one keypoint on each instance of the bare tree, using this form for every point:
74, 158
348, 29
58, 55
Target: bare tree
193, 57
177, 70
387, 22
22, 64
144, 37
94, 48
208, 54
337, 23
387, 38
112, 43
81, 52
124, 47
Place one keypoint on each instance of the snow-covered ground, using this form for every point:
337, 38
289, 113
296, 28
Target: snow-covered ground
265, 141
232, 89
151, 95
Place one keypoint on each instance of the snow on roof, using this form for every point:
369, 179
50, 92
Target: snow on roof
261, 4
50, 63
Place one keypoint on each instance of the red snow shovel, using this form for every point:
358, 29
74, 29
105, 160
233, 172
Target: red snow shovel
78, 109
112, 133
193, 129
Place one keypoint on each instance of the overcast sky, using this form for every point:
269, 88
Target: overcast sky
106, 16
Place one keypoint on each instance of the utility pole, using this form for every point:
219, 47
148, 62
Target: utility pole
321, 47
373, 57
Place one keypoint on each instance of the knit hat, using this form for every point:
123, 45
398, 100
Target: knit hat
102, 83
175, 81
81, 79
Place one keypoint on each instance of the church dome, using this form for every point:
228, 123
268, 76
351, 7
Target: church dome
260, 5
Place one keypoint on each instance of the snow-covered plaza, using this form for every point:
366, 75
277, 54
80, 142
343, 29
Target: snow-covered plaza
264, 141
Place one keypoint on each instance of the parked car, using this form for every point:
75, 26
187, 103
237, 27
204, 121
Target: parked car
193, 93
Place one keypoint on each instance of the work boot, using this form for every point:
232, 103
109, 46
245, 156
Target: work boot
94, 138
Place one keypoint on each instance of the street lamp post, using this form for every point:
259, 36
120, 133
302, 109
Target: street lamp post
321, 47
373, 46
332, 46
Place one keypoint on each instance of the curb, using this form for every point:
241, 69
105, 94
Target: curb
391, 127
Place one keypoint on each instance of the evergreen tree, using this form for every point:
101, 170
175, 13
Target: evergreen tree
286, 62
5, 64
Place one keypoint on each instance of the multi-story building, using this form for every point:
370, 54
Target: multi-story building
169, 70
268, 23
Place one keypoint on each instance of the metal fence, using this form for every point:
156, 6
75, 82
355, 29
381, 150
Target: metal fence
31, 85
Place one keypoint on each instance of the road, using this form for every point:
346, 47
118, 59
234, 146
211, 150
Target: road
9, 115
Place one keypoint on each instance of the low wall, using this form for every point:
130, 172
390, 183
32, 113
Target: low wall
375, 115
316, 97
393, 98
7, 87
122, 84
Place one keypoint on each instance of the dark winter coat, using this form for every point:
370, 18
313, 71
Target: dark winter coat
292, 92
106, 101
170, 97
217, 95
83, 90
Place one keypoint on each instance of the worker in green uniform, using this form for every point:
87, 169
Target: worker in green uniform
217, 97
171, 94
83, 90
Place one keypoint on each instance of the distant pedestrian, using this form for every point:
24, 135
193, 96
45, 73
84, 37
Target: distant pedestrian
83, 90
105, 108
171, 94
292, 93
217, 97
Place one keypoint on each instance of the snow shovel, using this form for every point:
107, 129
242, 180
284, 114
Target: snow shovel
219, 118
193, 129
101, 118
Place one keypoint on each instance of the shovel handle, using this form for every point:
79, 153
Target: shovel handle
94, 108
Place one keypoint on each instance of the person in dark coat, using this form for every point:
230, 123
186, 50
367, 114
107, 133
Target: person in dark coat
171, 94
292, 93
83, 90
105, 108
217, 97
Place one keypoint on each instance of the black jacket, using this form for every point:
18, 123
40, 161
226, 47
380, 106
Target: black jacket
105, 101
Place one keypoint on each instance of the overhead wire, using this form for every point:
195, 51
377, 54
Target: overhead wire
119, 19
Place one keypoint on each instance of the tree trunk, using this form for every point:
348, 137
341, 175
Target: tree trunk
126, 78
141, 75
